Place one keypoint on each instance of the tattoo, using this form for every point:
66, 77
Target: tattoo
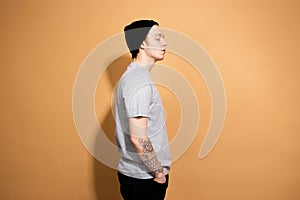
149, 157
147, 148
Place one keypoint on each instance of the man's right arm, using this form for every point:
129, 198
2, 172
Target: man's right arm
144, 148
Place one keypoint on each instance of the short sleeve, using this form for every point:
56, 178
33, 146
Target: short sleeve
137, 103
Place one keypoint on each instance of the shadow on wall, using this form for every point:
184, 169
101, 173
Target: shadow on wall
106, 182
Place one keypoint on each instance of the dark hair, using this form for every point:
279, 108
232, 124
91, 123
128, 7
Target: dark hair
135, 34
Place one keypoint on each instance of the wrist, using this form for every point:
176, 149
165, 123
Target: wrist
158, 171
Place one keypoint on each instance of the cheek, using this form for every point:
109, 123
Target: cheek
153, 43
152, 53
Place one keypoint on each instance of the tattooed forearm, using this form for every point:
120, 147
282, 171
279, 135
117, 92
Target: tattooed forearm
142, 144
146, 148
148, 156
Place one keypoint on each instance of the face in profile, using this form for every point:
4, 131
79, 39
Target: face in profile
154, 45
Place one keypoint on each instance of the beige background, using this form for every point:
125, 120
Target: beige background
255, 45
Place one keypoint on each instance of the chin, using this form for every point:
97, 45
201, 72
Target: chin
159, 58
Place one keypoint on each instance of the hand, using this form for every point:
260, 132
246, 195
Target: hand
160, 177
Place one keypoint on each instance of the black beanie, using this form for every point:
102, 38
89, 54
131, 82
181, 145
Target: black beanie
136, 32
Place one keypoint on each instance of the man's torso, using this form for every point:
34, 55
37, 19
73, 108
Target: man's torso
138, 96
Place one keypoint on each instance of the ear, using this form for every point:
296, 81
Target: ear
142, 45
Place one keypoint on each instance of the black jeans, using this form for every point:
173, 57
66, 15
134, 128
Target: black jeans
142, 189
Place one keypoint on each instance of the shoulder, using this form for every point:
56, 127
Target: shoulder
136, 78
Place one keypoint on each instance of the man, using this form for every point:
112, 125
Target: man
140, 123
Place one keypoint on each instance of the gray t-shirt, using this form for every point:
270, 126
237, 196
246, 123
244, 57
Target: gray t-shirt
138, 96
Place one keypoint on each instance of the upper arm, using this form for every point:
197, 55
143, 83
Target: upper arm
138, 126
138, 130
137, 101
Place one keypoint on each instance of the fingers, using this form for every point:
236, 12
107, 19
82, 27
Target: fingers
160, 180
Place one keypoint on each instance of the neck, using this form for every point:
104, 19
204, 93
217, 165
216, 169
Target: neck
144, 62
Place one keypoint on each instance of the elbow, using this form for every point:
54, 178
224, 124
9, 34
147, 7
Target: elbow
134, 141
